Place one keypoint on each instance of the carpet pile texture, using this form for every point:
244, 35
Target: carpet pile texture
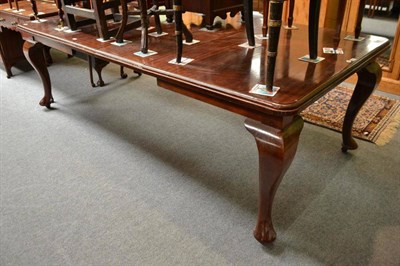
133, 174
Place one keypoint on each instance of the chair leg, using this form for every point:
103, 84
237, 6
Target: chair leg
265, 18
168, 5
187, 33
119, 37
101, 22
360, 15
178, 29
16, 4
34, 9
157, 18
248, 13
60, 13
145, 27
291, 10
339, 20
276, 8
313, 21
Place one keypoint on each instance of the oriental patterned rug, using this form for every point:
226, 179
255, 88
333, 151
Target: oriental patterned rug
376, 122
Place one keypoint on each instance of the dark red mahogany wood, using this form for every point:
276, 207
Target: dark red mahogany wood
222, 74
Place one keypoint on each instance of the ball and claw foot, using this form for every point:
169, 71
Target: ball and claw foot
122, 73
351, 146
264, 233
46, 102
138, 73
9, 73
100, 83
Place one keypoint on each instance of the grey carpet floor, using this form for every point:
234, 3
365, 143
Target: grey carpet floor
132, 174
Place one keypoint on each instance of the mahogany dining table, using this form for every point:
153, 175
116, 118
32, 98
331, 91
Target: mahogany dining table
223, 73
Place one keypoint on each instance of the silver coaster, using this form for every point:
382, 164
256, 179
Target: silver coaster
155, 34
124, 42
290, 28
307, 58
39, 13
149, 53
61, 28
185, 61
71, 31
191, 43
246, 45
102, 40
353, 38
351, 60
331, 50
38, 21
140, 28
261, 37
207, 30
262, 90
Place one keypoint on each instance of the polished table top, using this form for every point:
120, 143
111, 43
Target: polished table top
223, 69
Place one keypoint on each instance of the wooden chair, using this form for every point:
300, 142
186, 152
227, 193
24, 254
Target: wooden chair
145, 12
10, 4
36, 14
99, 12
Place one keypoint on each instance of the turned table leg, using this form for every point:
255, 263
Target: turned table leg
276, 150
34, 54
368, 79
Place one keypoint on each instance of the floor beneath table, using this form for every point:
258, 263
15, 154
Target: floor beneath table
132, 174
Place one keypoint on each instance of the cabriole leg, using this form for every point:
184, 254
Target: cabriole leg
276, 150
98, 66
368, 79
34, 54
